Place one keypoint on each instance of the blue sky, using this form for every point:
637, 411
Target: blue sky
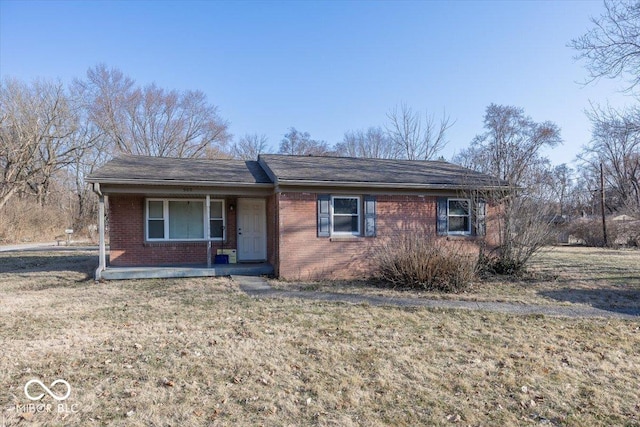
326, 67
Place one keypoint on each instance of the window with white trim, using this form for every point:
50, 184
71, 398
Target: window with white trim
216, 220
459, 216
155, 219
184, 219
345, 215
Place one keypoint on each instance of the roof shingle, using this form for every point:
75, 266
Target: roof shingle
300, 169
292, 170
142, 169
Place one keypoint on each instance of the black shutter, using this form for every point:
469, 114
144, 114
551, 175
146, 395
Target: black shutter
441, 216
480, 226
370, 216
324, 215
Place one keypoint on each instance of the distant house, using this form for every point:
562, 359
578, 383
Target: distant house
292, 216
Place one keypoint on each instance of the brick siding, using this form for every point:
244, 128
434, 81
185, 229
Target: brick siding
127, 237
293, 247
303, 255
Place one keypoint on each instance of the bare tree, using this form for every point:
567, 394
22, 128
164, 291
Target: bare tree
562, 185
104, 94
510, 150
616, 144
372, 143
36, 125
416, 138
612, 47
93, 151
153, 121
301, 144
249, 147
511, 145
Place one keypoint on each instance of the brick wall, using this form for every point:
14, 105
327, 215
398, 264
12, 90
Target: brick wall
293, 247
303, 255
127, 242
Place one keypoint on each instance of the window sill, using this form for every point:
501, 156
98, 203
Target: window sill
347, 239
463, 237
151, 243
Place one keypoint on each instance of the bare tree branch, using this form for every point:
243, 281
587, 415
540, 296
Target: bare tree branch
301, 144
249, 147
37, 123
415, 138
151, 120
616, 144
372, 143
612, 47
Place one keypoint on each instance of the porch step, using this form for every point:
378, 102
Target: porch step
124, 273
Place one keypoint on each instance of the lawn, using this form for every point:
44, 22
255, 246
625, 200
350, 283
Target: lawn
558, 275
196, 352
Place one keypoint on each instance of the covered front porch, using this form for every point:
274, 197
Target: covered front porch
166, 272
171, 217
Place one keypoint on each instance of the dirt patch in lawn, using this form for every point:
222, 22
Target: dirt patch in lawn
558, 275
199, 352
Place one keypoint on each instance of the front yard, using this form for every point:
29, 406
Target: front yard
558, 275
200, 352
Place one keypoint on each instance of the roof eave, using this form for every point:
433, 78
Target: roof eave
388, 185
177, 183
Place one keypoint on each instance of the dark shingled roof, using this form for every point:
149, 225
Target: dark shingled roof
401, 173
166, 170
292, 170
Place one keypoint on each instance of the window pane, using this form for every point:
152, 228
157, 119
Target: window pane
459, 223
458, 207
216, 228
155, 209
215, 209
186, 220
156, 229
345, 206
345, 224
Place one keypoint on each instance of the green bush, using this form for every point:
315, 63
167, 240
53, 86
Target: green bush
416, 262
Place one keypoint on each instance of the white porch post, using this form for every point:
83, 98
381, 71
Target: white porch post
102, 255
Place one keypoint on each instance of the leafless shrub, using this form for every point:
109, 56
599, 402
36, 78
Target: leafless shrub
26, 220
619, 233
510, 149
420, 262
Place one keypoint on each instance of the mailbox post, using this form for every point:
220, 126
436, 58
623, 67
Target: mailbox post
68, 232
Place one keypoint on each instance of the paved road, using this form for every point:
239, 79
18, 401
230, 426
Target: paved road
258, 287
44, 246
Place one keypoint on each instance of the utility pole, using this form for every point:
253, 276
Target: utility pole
604, 222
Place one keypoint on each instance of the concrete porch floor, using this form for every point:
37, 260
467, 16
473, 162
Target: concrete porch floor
167, 272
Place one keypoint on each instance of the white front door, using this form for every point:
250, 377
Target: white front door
252, 230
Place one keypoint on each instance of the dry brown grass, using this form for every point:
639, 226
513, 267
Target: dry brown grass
196, 352
558, 275
24, 220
